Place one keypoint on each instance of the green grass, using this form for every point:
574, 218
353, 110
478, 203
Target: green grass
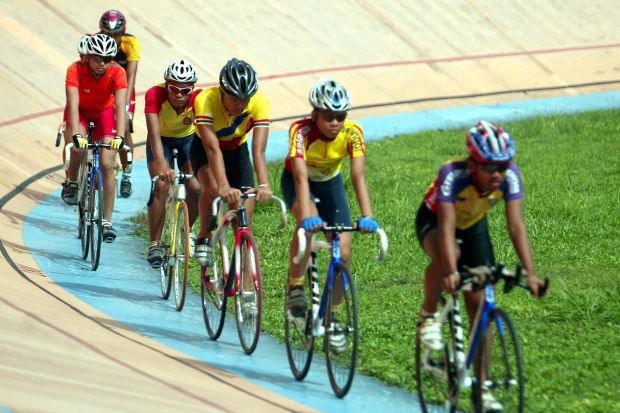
571, 338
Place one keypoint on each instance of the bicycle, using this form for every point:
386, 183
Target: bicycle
90, 197
175, 238
493, 350
240, 276
335, 315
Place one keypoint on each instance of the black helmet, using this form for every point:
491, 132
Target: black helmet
238, 79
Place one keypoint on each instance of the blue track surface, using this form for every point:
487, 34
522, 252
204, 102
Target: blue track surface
127, 289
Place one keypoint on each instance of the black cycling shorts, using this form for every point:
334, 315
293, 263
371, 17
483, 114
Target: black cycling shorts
183, 146
237, 163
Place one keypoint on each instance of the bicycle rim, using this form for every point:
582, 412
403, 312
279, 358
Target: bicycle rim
436, 372
341, 326
164, 278
212, 289
180, 253
248, 300
96, 214
504, 365
298, 336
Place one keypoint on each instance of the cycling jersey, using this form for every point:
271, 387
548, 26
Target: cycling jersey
231, 131
455, 185
128, 50
324, 157
171, 125
96, 93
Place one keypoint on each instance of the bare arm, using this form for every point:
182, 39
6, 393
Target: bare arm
153, 136
132, 70
446, 223
521, 242
73, 102
302, 188
358, 179
216, 164
259, 145
120, 97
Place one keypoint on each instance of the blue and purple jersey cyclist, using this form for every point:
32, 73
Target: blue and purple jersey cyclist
455, 208
317, 147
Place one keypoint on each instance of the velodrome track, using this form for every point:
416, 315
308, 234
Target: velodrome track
54, 357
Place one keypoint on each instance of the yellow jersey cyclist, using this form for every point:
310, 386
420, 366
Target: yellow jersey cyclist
452, 227
225, 114
113, 23
96, 92
317, 148
169, 112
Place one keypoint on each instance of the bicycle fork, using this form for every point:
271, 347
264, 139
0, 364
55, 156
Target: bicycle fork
456, 324
317, 326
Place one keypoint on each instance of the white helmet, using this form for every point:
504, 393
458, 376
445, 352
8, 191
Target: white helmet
181, 71
327, 94
102, 45
83, 45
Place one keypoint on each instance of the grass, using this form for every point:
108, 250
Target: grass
571, 338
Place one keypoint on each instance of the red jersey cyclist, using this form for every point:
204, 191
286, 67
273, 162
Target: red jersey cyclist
317, 147
96, 92
169, 112
455, 208
114, 24
225, 114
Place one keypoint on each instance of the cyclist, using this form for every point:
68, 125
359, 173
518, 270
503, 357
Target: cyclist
96, 92
317, 147
113, 23
452, 227
169, 112
224, 116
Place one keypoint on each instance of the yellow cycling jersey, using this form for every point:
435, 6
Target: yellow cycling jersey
231, 131
128, 50
172, 125
324, 157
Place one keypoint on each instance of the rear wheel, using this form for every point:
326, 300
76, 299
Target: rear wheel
180, 255
341, 331
95, 204
502, 365
212, 288
298, 336
436, 372
249, 302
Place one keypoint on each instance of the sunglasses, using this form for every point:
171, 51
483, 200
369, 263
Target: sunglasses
182, 90
501, 168
330, 116
102, 59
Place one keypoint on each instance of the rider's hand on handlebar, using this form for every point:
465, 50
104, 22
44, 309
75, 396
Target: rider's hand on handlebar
451, 282
117, 142
312, 224
367, 224
232, 196
263, 193
167, 175
80, 141
535, 285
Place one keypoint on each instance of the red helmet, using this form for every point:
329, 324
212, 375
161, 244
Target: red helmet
113, 21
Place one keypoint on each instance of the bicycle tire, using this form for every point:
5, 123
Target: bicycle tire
298, 335
436, 371
180, 254
341, 320
84, 226
96, 219
212, 283
165, 241
504, 376
249, 299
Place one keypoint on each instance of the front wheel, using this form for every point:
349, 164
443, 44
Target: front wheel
212, 283
436, 371
95, 204
165, 242
341, 331
501, 372
249, 298
180, 254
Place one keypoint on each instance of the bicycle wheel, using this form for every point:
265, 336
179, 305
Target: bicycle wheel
436, 371
165, 242
298, 336
180, 254
95, 203
248, 300
341, 331
502, 365
84, 212
212, 288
